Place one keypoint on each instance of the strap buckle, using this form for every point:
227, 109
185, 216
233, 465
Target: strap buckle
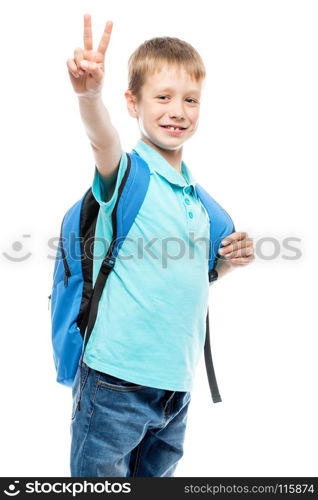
107, 265
213, 275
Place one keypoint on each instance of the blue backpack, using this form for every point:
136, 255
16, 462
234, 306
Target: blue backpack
74, 302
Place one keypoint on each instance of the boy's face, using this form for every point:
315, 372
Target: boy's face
168, 97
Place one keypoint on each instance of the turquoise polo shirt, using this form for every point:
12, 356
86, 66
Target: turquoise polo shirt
150, 326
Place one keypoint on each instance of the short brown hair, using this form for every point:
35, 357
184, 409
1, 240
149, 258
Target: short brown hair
152, 54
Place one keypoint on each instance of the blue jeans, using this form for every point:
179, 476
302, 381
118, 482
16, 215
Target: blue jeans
123, 429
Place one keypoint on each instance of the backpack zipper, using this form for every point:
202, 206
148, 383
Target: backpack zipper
67, 272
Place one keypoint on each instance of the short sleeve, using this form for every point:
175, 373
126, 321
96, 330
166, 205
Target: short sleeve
105, 191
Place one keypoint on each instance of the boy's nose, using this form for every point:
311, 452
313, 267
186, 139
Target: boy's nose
175, 116
176, 111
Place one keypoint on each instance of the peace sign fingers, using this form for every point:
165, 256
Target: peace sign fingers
86, 69
103, 44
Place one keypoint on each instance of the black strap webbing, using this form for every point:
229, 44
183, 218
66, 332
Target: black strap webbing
209, 364
92, 307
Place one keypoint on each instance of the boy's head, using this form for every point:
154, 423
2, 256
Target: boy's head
165, 77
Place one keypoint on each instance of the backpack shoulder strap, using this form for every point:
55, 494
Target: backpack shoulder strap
221, 225
131, 194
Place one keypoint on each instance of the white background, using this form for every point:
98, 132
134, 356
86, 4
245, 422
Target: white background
255, 151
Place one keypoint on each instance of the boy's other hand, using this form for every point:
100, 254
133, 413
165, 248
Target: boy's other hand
86, 70
237, 248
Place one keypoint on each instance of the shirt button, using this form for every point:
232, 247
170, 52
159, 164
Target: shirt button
187, 201
191, 215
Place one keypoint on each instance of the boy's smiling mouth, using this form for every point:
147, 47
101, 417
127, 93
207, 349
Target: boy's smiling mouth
173, 129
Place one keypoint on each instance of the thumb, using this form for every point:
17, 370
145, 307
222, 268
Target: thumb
93, 68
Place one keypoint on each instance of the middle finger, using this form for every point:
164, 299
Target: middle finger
103, 44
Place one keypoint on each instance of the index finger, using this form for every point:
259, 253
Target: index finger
88, 37
233, 237
103, 44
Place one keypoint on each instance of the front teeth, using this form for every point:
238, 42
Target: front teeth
174, 128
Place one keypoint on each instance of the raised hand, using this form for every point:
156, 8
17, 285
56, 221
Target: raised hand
86, 70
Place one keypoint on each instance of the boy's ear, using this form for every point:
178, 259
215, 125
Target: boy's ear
131, 103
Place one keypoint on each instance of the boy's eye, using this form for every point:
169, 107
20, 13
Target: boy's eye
162, 97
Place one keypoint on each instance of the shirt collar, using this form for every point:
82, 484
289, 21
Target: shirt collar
158, 163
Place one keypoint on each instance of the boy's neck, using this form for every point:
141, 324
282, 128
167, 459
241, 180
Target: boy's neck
174, 157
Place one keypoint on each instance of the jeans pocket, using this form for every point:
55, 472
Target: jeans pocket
116, 384
75, 391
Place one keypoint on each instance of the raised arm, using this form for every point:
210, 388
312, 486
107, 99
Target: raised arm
86, 71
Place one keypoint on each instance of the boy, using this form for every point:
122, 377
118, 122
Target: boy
135, 378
